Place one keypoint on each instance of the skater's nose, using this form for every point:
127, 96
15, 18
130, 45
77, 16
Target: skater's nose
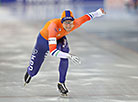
68, 25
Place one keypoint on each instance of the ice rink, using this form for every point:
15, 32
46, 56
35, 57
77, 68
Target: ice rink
108, 50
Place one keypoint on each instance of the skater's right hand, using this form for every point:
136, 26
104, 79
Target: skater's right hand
74, 59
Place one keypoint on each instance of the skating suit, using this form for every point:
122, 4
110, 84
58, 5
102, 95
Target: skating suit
53, 30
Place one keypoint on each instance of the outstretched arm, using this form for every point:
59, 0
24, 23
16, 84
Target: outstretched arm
79, 21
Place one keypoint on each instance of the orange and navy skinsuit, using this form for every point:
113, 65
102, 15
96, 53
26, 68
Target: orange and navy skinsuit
52, 38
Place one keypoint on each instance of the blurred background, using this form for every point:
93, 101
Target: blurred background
119, 24
107, 46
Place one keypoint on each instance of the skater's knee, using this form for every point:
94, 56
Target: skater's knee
64, 59
64, 62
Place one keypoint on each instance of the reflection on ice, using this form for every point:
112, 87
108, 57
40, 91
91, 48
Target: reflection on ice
125, 66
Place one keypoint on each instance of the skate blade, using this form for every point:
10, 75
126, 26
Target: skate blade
64, 95
25, 84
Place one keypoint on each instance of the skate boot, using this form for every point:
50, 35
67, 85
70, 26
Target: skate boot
27, 78
62, 88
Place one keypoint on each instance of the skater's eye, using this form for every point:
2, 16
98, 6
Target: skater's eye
68, 22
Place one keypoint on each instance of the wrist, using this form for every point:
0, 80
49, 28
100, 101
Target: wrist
69, 55
92, 14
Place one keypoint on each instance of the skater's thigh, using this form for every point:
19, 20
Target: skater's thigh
38, 55
41, 48
41, 43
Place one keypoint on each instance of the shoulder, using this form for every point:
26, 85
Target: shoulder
55, 22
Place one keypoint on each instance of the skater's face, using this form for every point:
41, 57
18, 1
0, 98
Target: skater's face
68, 25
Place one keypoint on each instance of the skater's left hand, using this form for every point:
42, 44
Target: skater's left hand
76, 60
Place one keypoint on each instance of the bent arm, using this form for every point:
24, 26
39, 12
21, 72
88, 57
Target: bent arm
79, 21
53, 42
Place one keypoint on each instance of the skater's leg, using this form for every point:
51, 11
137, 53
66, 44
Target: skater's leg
63, 66
37, 56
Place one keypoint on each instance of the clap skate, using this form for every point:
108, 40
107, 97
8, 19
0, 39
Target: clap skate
62, 88
27, 78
